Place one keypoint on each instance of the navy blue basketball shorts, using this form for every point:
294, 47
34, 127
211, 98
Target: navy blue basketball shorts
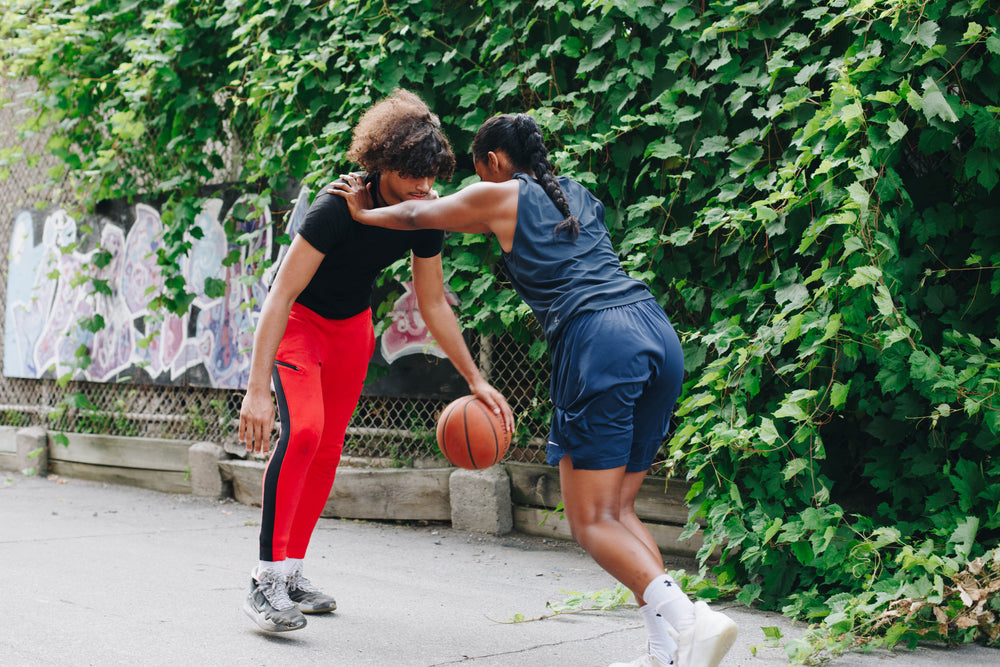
616, 375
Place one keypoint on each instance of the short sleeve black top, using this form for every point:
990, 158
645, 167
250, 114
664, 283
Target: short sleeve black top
354, 256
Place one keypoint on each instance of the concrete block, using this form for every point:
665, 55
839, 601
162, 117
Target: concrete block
247, 478
116, 451
480, 500
8, 448
206, 475
150, 463
397, 494
33, 450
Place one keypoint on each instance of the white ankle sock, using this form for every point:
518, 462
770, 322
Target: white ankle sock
661, 644
665, 596
275, 565
292, 564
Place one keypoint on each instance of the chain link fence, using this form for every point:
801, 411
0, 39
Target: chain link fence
384, 430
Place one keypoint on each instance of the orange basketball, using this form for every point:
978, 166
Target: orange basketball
470, 435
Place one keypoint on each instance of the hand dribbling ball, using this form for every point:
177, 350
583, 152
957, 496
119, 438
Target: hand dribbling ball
471, 435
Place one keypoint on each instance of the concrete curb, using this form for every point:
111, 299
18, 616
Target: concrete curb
495, 501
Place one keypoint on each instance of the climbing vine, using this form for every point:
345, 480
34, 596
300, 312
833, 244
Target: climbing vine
809, 187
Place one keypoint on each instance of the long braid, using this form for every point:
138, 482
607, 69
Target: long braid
538, 159
521, 138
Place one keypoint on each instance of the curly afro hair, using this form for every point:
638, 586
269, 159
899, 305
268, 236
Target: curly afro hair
401, 134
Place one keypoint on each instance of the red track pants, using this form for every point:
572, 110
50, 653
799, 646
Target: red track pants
318, 373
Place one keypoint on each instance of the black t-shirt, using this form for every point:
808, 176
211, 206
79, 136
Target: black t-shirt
354, 256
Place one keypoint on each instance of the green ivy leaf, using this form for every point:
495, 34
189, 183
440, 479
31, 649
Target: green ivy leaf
984, 166
712, 146
838, 394
92, 324
767, 431
934, 104
664, 149
744, 158
215, 288
794, 467
968, 481
803, 552
589, 62
964, 536
865, 275
925, 35
897, 130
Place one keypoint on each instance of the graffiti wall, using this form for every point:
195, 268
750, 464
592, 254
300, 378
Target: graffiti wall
52, 298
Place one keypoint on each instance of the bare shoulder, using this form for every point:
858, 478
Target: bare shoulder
496, 200
481, 202
488, 190
497, 203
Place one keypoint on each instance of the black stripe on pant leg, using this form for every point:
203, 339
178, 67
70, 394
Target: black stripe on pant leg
269, 501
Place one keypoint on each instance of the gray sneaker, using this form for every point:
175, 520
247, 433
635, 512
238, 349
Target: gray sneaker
308, 598
269, 605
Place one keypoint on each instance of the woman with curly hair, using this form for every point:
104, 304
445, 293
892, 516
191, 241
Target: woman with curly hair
617, 366
315, 338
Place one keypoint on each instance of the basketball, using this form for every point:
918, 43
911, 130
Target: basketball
470, 435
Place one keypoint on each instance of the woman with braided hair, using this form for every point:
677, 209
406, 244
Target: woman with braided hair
617, 366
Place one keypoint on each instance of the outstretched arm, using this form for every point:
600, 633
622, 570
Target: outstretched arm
480, 208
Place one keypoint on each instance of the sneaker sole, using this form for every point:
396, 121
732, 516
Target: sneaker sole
720, 648
265, 624
307, 609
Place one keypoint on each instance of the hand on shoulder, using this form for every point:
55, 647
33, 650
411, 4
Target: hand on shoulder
357, 194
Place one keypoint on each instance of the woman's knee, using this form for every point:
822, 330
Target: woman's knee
582, 519
626, 513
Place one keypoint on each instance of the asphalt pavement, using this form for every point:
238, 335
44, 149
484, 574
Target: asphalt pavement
100, 574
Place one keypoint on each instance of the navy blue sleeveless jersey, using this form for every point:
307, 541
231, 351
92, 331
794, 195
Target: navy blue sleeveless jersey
559, 276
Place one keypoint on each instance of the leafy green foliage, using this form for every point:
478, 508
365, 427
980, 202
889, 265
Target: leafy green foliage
846, 411
810, 189
577, 602
939, 604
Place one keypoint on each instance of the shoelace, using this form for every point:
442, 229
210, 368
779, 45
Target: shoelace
297, 582
276, 591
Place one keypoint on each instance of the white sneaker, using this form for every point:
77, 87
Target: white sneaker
708, 640
648, 660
